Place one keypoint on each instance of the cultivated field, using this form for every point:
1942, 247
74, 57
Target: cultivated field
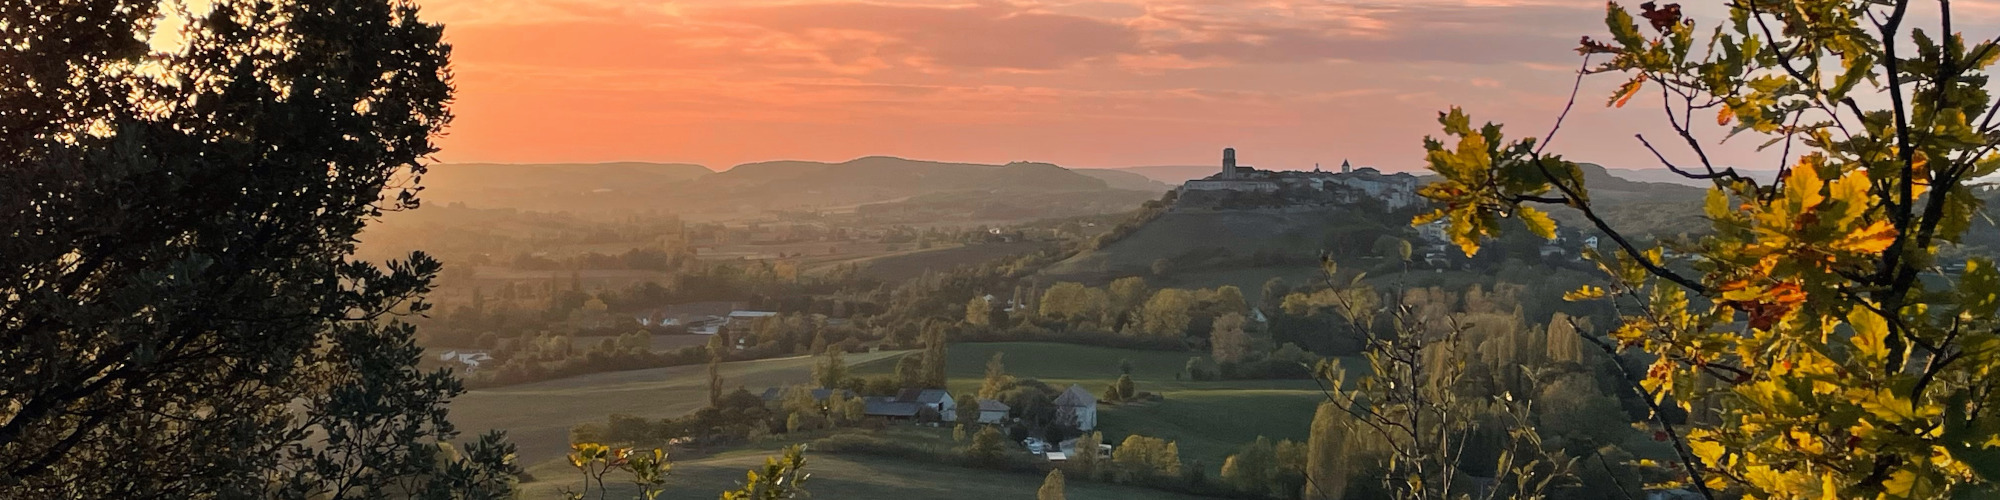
538, 416
844, 477
1210, 419
902, 266
661, 342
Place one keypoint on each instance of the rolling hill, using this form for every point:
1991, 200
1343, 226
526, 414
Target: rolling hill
552, 186
800, 185
1126, 179
755, 188
1171, 174
1664, 176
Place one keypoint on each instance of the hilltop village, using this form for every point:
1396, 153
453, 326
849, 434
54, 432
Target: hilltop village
1242, 186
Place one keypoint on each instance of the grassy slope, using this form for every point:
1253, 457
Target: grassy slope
1209, 419
537, 417
897, 267
1244, 233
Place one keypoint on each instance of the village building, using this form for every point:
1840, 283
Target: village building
1349, 185
704, 318
1078, 406
691, 315
470, 359
910, 404
992, 411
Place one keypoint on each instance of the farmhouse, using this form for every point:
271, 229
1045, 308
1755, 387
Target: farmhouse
471, 359
692, 316
1077, 405
740, 321
992, 411
911, 404
704, 318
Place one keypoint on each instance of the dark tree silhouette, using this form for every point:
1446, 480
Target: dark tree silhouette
182, 317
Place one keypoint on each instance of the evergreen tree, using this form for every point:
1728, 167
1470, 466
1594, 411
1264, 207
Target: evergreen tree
183, 315
932, 368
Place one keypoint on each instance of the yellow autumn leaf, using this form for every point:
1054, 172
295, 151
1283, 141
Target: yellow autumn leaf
1901, 484
1710, 452
1538, 222
1802, 187
1583, 293
1875, 238
1717, 204
1723, 116
1871, 333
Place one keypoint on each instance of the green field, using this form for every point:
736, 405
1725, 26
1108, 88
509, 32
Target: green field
844, 477
537, 416
1209, 419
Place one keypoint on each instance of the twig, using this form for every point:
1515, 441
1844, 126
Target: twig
1573, 89
1689, 462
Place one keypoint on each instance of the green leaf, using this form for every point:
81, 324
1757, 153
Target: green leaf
1979, 288
1858, 68
1623, 29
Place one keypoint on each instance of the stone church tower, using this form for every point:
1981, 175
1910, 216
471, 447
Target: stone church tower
1228, 163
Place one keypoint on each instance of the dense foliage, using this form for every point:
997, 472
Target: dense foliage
1820, 344
183, 319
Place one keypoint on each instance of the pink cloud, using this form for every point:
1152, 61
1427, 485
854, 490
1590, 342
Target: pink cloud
1082, 82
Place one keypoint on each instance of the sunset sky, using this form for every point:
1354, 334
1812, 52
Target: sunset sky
1078, 83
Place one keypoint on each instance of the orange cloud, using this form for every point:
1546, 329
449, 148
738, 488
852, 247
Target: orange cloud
1076, 82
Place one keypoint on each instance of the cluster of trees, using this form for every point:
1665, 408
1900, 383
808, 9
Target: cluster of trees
545, 357
782, 477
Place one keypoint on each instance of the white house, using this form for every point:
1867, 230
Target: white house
471, 359
992, 412
1079, 406
1433, 232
